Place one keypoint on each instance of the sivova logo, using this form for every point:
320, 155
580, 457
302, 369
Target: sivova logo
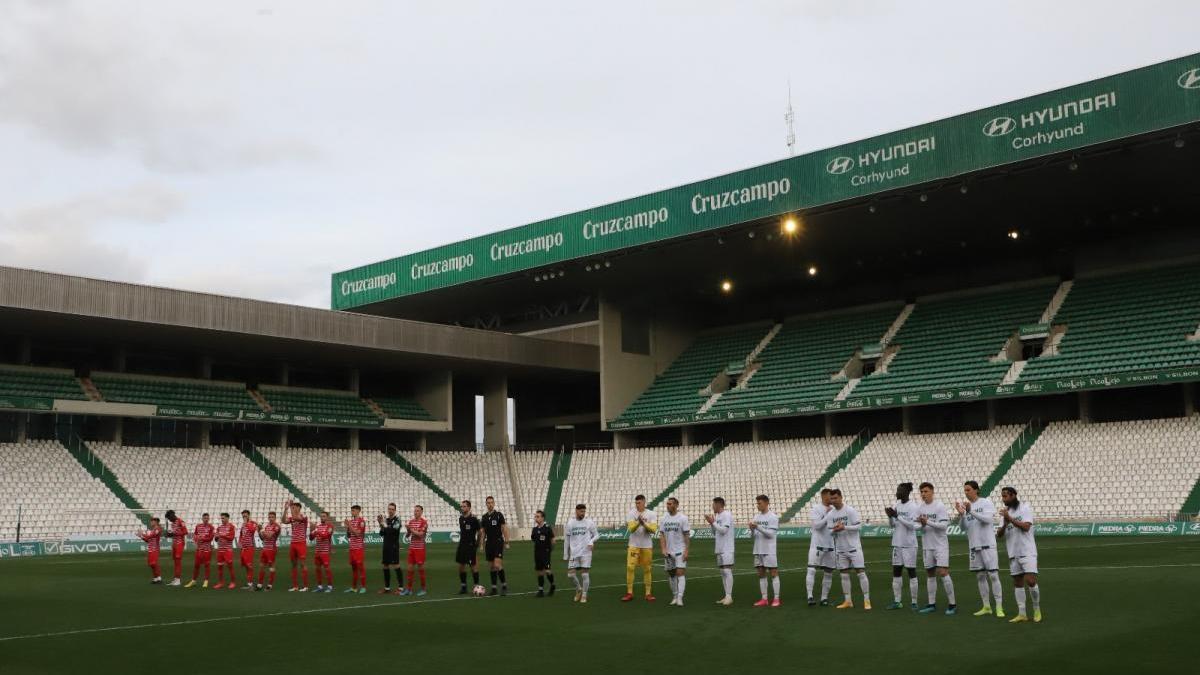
1000, 126
1190, 79
839, 165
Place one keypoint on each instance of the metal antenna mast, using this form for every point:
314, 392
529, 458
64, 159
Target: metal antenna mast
789, 118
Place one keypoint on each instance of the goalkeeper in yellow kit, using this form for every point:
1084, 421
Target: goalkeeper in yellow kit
642, 523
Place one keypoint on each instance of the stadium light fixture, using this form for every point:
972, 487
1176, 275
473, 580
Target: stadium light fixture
751, 234
1179, 142
812, 270
607, 263
871, 209
726, 286
790, 226
924, 197
963, 188
1014, 235
587, 269
1073, 165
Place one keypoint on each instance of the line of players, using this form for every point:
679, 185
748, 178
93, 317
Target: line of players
834, 544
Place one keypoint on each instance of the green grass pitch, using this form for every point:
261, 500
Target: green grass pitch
1110, 605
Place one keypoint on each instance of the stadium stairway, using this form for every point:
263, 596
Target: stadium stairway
92, 463
416, 472
692, 469
1020, 445
560, 468
1191, 505
856, 446
268, 467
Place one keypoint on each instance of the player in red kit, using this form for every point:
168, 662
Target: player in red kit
152, 537
177, 532
269, 534
246, 543
203, 536
298, 552
417, 528
356, 529
226, 533
322, 534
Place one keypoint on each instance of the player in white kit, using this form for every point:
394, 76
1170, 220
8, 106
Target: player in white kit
820, 550
579, 540
977, 516
933, 519
1017, 523
674, 539
764, 527
848, 549
723, 536
902, 516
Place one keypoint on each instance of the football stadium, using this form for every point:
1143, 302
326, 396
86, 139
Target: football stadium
969, 331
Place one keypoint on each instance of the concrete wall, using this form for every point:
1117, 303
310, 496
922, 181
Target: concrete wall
624, 376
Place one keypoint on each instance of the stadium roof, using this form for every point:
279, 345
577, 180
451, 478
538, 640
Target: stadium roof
1103, 113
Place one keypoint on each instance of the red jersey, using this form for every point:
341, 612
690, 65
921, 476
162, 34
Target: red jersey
270, 536
323, 534
203, 536
418, 528
246, 538
178, 532
299, 527
152, 538
225, 536
358, 527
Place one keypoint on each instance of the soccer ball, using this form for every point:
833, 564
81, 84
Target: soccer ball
479, 591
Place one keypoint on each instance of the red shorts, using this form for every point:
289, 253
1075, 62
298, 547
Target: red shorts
298, 551
247, 557
356, 556
203, 557
224, 556
416, 556
267, 556
152, 557
321, 559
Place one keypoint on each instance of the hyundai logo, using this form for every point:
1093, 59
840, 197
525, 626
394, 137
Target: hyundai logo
1001, 126
839, 165
1190, 79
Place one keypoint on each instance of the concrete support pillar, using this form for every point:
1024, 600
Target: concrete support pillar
354, 439
828, 426
206, 365
119, 358
624, 439
422, 442
906, 420
1085, 407
25, 354
118, 430
687, 435
283, 374
205, 435
353, 381
495, 413
1189, 399
756, 431
22, 432
283, 437
991, 414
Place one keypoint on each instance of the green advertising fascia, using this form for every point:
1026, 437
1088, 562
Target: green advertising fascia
1157, 97
949, 395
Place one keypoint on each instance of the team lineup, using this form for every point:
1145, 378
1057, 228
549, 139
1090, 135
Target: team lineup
834, 546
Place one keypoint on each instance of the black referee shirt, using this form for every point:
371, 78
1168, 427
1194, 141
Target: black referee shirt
543, 538
468, 531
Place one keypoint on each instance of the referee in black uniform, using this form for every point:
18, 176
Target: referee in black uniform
390, 529
543, 544
467, 554
495, 540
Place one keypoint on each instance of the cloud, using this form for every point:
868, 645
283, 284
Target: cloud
70, 236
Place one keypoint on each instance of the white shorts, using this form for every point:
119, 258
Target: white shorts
936, 557
820, 557
1026, 564
850, 560
904, 557
583, 562
984, 560
674, 561
725, 559
767, 560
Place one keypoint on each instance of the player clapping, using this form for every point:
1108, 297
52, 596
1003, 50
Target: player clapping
152, 537
934, 520
764, 527
847, 549
356, 530
298, 551
902, 516
579, 541
820, 551
723, 538
226, 533
977, 516
1017, 526
269, 534
203, 537
246, 543
322, 534
417, 528
178, 532
674, 540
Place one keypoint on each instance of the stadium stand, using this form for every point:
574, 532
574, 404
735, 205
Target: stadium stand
946, 460
798, 365
173, 392
55, 496
338, 479
677, 389
325, 402
401, 408
608, 480
950, 342
27, 382
470, 475
193, 481
780, 469
533, 477
1126, 322
1113, 470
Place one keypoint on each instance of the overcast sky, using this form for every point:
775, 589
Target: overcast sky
253, 148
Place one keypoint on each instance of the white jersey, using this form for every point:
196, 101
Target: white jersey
821, 536
723, 533
979, 522
847, 539
937, 521
764, 534
578, 535
641, 536
675, 529
1020, 542
904, 525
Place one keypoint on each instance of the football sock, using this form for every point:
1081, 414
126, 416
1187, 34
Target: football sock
551, 578
912, 589
865, 585
1019, 592
674, 584
762, 587
494, 576
948, 584
587, 581
422, 579
896, 583
997, 590
981, 578
304, 576
775, 586
1035, 595
295, 577
541, 582
846, 590
810, 580
387, 578
630, 570
931, 589
826, 584
475, 577
647, 577
503, 577
462, 579
681, 583
727, 581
